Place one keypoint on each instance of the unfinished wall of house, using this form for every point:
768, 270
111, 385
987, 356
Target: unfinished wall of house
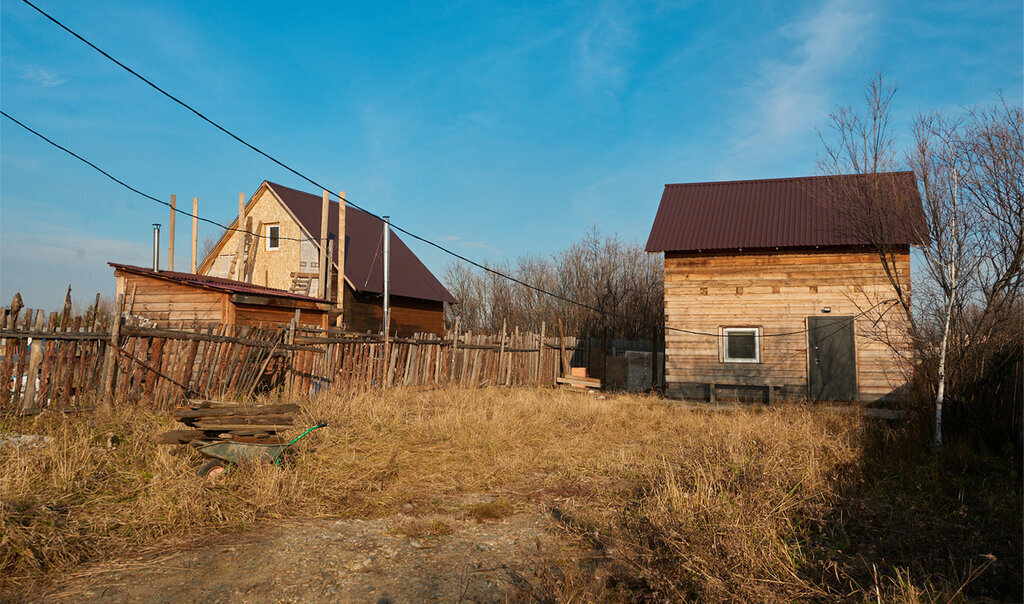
777, 292
295, 261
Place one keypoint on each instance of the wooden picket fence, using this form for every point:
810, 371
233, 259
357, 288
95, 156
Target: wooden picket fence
353, 361
65, 362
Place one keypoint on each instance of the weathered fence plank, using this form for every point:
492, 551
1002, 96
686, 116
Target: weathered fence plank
65, 361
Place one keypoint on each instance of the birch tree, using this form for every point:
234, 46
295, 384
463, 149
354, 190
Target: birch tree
969, 168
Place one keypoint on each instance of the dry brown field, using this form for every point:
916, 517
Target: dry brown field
648, 500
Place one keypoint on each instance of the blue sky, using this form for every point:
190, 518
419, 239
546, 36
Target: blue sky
496, 129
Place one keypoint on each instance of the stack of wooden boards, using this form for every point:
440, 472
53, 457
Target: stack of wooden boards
230, 421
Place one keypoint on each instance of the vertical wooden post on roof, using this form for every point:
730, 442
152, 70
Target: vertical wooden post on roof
324, 205
238, 264
328, 284
110, 359
170, 233
250, 258
195, 230
341, 257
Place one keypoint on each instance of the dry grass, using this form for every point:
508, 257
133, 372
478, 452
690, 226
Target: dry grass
491, 510
666, 503
421, 527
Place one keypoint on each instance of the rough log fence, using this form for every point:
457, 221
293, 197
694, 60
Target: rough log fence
60, 362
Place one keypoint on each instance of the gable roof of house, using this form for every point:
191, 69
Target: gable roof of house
216, 283
780, 213
364, 248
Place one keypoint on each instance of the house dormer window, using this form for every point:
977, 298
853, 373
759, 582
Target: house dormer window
741, 344
273, 236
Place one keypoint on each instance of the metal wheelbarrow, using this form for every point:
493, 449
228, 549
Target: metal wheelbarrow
222, 453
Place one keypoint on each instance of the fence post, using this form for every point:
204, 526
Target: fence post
35, 355
455, 348
540, 353
290, 381
95, 314
563, 362
65, 313
604, 357
110, 359
501, 354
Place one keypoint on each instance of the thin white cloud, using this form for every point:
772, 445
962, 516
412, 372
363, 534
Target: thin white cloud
794, 95
40, 262
70, 246
42, 77
480, 245
601, 56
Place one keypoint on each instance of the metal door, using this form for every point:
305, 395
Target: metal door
832, 372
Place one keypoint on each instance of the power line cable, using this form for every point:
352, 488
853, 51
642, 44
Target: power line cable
183, 103
286, 166
131, 188
486, 268
324, 188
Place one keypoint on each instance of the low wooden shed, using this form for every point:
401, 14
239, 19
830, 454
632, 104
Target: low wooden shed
769, 292
170, 298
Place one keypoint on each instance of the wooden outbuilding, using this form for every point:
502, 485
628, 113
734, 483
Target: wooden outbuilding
770, 292
297, 231
170, 298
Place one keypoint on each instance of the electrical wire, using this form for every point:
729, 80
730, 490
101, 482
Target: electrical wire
133, 189
183, 103
324, 188
459, 256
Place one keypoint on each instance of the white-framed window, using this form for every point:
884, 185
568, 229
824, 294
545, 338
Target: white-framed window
273, 236
741, 344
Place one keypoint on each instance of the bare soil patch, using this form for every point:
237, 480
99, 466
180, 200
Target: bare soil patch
336, 560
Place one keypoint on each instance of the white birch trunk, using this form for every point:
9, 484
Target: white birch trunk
941, 387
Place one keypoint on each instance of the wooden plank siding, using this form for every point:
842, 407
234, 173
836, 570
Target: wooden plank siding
776, 291
169, 303
364, 312
256, 315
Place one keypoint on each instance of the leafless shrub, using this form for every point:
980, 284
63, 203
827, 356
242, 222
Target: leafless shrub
966, 322
620, 284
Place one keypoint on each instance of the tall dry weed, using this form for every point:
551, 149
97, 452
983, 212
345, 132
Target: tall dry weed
79, 499
665, 502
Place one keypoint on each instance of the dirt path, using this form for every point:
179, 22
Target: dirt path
449, 558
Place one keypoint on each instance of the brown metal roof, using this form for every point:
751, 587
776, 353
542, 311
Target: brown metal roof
364, 249
219, 283
783, 212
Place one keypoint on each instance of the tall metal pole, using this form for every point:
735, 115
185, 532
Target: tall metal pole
156, 247
387, 273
